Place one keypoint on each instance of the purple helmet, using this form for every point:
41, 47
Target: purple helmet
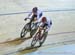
34, 9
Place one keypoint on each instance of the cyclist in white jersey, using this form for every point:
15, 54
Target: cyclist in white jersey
35, 13
45, 21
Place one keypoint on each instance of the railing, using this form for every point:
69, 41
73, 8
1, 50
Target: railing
43, 11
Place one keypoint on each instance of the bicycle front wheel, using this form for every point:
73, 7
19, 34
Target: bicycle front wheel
35, 39
24, 30
43, 38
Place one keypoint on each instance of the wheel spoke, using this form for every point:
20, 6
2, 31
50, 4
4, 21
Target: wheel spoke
35, 39
24, 31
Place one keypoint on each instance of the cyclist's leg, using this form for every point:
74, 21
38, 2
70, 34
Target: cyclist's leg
33, 17
46, 33
32, 21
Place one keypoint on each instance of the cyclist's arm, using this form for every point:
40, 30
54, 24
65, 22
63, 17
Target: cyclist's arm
29, 15
39, 14
48, 26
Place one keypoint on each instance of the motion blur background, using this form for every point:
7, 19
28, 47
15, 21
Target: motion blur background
13, 12
62, 13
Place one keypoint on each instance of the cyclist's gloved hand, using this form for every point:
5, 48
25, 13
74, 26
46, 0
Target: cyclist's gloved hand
25, 19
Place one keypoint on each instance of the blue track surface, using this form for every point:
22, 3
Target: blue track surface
60, 50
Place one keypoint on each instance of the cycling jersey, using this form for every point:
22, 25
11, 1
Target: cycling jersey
39, 14
48, 23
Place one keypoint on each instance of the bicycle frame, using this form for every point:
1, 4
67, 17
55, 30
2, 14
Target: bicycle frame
27, 28
38, 36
